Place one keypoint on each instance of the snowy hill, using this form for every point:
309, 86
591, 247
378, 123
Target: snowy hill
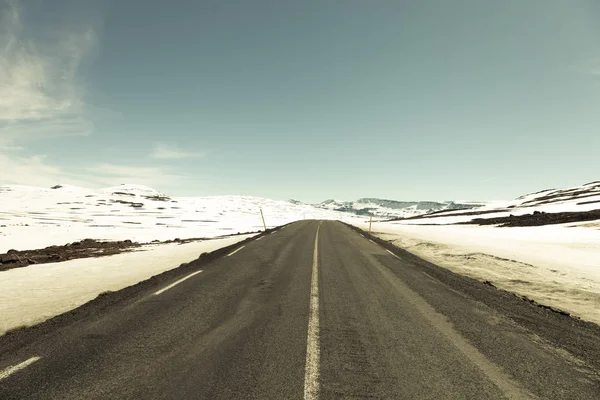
584, 195
32, 217
393, 209
578, 199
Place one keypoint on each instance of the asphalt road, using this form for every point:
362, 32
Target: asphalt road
294, 315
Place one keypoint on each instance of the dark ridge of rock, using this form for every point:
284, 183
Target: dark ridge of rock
81, 249
538, 219
157, 198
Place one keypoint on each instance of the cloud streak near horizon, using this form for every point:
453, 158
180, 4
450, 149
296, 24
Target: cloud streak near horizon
163, 151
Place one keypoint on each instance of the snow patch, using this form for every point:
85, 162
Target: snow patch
556, 265
33, 294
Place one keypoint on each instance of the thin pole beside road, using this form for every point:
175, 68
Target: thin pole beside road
263, 219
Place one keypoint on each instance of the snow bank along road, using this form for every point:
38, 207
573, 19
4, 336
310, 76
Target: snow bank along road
38, 292
311, 311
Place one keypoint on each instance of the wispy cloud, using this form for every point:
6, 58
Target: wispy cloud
35, 171
110, 174
40, 171
42, 96
166, 152
488, 180
40, 92
6, 146
590, 66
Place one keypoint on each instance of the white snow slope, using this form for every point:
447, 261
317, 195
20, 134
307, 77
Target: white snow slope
579, 198
555, 265
32, 218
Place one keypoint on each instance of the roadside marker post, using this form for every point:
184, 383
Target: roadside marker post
370, 222
263, 219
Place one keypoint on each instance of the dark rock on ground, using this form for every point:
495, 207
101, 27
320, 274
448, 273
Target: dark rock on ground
10, 258
82, 249
538, 218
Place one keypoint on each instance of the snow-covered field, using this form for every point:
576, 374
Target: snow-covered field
37, 217
555, 265
38, 292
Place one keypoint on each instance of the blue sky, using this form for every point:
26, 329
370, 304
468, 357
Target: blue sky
316, 99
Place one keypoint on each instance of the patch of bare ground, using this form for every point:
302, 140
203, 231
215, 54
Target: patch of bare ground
538, 219
81, 249
449, 213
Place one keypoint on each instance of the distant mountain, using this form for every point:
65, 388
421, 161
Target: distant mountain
579, 198
392, 208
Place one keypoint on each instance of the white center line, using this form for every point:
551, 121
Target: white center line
392, 253
311, 374
372, 241
259, 238
5, 373
235, 251
176, 283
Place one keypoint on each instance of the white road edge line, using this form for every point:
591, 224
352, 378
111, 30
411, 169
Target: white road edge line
176, 283
235, 251
5, 373
372, 241
259, 238
313, 352
392, 253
